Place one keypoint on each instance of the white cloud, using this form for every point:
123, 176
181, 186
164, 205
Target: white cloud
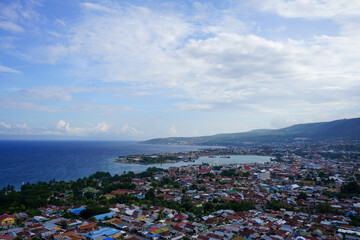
148, 33
130, 130
310, 8
226, 69
208, 61
11, 129
24, 103
99, 128
172, 131
4, 125
65, 127
8, 70
7, 102
62, 124
54, 93
10, 26
60, 22
22, 126
15, 15
102, 127
95, 7
189, 106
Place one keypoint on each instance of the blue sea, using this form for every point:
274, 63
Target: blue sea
33, 161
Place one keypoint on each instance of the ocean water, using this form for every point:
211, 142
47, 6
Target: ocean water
33, 161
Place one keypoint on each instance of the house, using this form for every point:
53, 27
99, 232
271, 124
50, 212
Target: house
77, 211
103, 216
291, 187
263, 175
107, 231
6, 238
6, 220
88, 227
138, 181
70, 235
203, 170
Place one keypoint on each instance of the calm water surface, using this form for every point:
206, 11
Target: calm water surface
33, 161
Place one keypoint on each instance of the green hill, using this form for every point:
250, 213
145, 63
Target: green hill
344, 128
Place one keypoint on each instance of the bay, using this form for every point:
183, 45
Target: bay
33, 161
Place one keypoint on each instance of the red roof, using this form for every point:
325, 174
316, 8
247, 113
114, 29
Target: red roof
204, 170
153, 228
179, 216
6, 237
2, 217
310, 238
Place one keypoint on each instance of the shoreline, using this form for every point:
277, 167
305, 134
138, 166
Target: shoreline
220, 159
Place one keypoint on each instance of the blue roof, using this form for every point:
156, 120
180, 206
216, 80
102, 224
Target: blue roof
107, 231
103, 216
140, 196
77, 210
152, 236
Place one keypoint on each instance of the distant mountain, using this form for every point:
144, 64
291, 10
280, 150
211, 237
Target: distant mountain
344, 128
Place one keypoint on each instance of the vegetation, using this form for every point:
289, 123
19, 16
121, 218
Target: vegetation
277, 205
345, 128
89, 191
302, 195
93, 210
147, 159
355, 221
324, 208
83, 191
351, 188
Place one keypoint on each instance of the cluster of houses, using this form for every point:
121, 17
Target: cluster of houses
282, 182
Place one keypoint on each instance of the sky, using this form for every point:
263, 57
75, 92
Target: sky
135, 70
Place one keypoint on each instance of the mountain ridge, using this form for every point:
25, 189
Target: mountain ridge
342, 128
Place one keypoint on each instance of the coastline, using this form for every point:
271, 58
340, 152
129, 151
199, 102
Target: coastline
186, 157
34, 161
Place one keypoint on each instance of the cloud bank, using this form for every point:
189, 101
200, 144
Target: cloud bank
137, 63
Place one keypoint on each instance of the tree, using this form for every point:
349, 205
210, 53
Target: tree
209, 207
302, 196
351, 188
203, 188
93, 210
64, 225
324, 208
154, 184
150, 194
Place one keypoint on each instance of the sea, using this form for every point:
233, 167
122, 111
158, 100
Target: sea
33, 161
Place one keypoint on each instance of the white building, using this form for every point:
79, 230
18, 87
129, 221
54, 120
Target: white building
263, 175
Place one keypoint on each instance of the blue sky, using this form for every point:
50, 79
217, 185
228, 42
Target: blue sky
133, 70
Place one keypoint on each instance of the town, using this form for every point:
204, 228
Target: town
307, 191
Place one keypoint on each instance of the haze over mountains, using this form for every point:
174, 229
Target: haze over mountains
344, 128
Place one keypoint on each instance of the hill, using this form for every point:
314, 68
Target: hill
344, 128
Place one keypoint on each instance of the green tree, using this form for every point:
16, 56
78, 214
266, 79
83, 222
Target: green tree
64, 225
150, 194
302, 195
324, 208
351, 188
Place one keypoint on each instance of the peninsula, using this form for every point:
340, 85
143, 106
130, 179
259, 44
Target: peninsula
158, 158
